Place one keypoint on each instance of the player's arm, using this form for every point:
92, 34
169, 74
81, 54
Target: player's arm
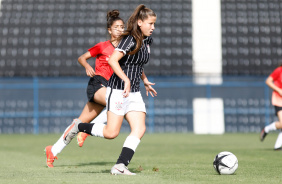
83, 61
113, 62
148, 85
269, 82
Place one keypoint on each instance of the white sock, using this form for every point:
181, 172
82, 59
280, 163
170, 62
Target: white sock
131, 142
278, 143
101, 118
270, 127
97, 130
59, 145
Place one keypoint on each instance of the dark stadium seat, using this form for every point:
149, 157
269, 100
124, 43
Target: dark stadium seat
253, 24
45, 28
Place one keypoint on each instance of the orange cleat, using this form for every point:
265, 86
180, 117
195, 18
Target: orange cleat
49, 156
81, 136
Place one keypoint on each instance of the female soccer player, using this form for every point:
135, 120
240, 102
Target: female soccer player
123, 92
96, 90
275, 83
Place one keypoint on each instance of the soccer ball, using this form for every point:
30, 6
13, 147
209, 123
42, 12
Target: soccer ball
225, 163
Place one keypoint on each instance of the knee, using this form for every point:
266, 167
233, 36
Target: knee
139, 132
143, 130
111, 134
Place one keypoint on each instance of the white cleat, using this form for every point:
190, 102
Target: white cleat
121, 169
71, 131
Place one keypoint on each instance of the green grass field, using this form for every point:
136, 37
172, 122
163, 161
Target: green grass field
160, 159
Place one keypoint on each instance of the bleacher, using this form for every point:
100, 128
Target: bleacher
40, 41
251, 36
45, 38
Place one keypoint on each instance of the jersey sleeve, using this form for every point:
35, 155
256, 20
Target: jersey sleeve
126, 45
95, 50
276, 73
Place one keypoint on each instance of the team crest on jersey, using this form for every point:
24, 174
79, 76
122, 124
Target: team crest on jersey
118, 106
148, 46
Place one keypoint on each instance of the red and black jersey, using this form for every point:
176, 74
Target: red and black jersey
102, 51
277, 79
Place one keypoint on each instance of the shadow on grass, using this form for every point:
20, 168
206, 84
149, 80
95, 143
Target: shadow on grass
135, 170
87, 164
271, 150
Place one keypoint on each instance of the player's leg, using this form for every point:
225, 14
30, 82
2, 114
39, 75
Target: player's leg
274, 125
136, 121
115, 117
278, 125
278, 143
135, 115
96, 93
73, 129
90, 112
52, 151
109, 131
100, 96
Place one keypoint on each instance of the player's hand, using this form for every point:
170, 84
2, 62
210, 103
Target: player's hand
89, 71
149, 89
126, 90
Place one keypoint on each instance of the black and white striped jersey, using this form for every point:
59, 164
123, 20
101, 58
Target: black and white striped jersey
132, 65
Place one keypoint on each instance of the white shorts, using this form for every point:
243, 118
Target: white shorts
119, 105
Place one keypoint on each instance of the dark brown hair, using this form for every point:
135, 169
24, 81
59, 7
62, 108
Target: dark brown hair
140, 13
112, 16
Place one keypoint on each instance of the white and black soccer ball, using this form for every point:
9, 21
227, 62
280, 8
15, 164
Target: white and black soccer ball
225, 163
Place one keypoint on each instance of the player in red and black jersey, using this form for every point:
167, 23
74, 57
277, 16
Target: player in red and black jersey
274, 81
96, 89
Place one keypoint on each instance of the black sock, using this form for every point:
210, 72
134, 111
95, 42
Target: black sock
125, 156
85, 127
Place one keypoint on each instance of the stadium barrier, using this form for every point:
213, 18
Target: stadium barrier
47, 105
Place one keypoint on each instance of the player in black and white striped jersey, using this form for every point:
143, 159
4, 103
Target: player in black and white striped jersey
132, 65
123, 92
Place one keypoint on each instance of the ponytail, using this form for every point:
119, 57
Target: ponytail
140, 13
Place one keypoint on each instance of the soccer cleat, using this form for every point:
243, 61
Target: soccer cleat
121, 169
263, 134
278, 149
81, 136
71, 132
49, 156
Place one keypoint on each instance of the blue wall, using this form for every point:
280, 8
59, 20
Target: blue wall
48, 105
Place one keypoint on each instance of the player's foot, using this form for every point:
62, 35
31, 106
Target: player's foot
278, 149
121, 169
81, 136
263, 134
71, 131
49, 156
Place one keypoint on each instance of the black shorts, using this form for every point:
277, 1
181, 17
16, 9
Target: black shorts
277, 109
94, 84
